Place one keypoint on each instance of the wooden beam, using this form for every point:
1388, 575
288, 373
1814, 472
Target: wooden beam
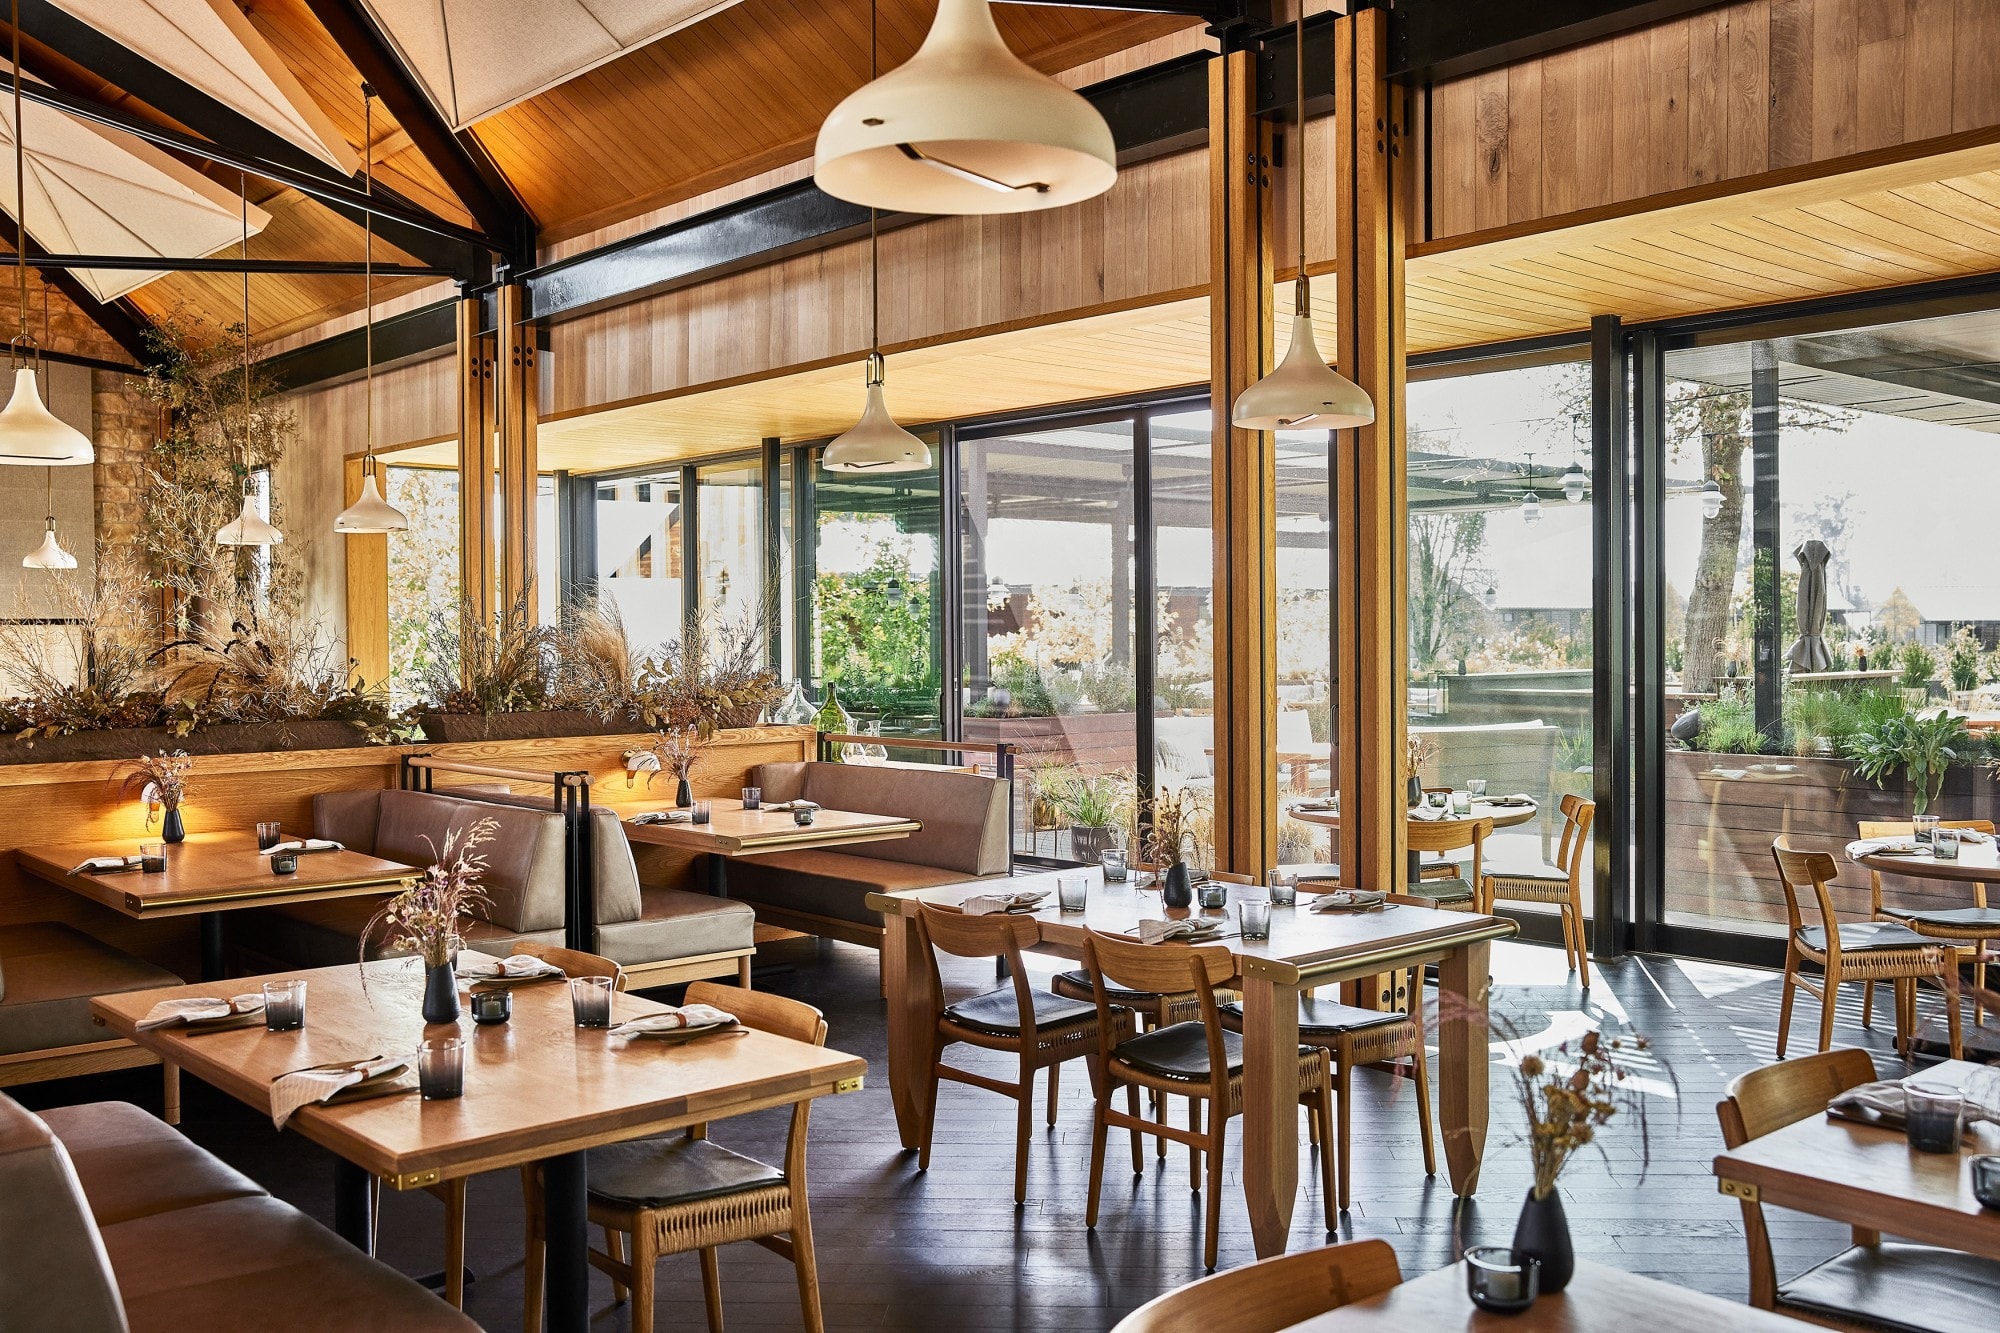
476, 566
367, 593
1244, 473
1370, 563
515, 400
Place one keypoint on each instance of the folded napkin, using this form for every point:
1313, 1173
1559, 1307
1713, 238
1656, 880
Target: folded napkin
1973, 835
985, 904
291, 1091
105, 865
1428, 813
663, 817
1893, 846
514, 967
1883, 1104
173, 1013
1519, 798
1316, 807
1191, 929
800, 804
1348, 900
689, 1017
305, 845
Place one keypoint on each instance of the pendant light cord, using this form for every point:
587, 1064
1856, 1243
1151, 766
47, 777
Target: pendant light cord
876, 370
20, 183
243, 190
1303, 300
367, 277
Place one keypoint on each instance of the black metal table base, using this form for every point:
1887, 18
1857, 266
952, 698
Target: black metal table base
211, 947
565, 1217
354, 1205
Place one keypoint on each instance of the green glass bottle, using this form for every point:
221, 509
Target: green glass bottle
833, 719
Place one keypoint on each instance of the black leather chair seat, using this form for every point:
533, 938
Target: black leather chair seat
1324, 1018
1076, 986
1902, 1287
999, 1011
1865, 936
657, 1173
1958, 918
1453, 890
1179, 1051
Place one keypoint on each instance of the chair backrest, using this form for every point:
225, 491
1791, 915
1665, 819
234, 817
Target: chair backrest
1893, 828
52, 1258
1766, 1100
1271, 1294
1163, 969
1796, 870
994, 935
1578, 813
574, 962
524, 859
781, 1017
1450, 835
614, 872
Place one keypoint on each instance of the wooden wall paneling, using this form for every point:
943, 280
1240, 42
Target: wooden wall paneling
1930, 48
367, 576
515, 396
1244, 474
1747, 108
1836, 67
476, 556
1975, 100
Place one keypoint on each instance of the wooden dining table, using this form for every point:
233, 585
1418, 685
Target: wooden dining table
1598, 1299
537, 1089
1976, 862
209, 875
1870, 1177
1306, 949
1503, 816
732, 831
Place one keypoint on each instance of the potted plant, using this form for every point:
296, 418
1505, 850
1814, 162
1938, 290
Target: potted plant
1963, 664
678, 754
161, 781
492, 679
429, 916
1917, 667
1094, 807
1920, 747
1169, 832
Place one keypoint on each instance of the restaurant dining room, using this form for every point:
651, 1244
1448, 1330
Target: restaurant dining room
1105, 666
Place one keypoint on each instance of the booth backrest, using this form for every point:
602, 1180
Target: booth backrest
524, 859
964, 814
617, 874
52, 1260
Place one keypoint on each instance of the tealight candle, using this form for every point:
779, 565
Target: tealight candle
493, 1005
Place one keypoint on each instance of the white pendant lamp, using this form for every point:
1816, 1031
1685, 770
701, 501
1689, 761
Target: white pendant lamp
1531, 503
1711, 499
248, 528
1304, 392
1574, 484
369, 513
964, 126
30, 434
50, 554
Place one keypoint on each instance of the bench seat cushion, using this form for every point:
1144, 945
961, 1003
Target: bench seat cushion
260, 1264
674, 924
828, 883
132, 1164
51, 971
328, 933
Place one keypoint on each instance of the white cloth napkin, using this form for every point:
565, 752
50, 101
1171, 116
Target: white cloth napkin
986, 904
674, 1020
1518, 799
100, 865
172, 1013
1428, 813
514, 967
1348, 900
305, 845
291, 1091
1154, 930
800, 804
663, 817
1895, 846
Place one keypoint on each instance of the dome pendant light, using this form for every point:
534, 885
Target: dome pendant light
50, 554
1303, 393
1711, 500
1574, 483
370, 512
30, 434
248, 528
876, 443
1531, 503
963, 126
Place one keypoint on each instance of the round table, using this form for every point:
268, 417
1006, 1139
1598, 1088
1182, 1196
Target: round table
1977, 863
1503, 816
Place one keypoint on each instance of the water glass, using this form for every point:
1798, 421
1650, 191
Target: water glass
1254, 918
1437, 800
285, 1005
1284, 887
1116, 869
1072, 891
1475, 788
701, 812
1461, 804
441, 1069
493, 1005
590, 1001
1923, 826
152, 857
753, 798
1502, 1280
1932, 1117
1212, 894
1944, 844
269, 834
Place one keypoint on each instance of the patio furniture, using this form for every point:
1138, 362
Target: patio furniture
1973, 925
1854, 951
1559, 881
1272, 1294
1454, 892
1511, 756
49, 973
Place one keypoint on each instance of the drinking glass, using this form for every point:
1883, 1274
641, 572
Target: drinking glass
701, 812
1923, 826
1113, 861
1072, 891
441, 1069
1461, 804
1986, 1180
1254, 917
494, 1005
1502, 1280
1437, 800
1284, 887
152, 857
285, 1005
1475, 787
753, 798
590, 1001
1932, 1117
269, 834
1944, 844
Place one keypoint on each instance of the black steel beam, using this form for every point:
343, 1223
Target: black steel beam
458, 157
353, 268
125, 328
1213, 11
412, 333
1610, 483
1432, 40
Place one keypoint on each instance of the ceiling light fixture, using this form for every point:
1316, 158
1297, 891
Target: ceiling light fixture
876, 443
50, 554
370, 512
30, 434
963, 126
248, 528
1303, 393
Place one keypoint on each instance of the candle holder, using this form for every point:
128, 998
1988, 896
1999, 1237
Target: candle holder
1986, 1179
1501, 1280
441, 1069
495, 1005
285, 1005
284, 863
1213, 895
803, 817
590, 1001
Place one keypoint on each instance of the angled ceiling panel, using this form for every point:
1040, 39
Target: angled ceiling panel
211, 46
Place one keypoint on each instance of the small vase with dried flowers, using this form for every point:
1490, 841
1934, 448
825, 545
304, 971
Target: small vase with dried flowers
430, 915
679, 751
1417, 751
161, 781
1172, 812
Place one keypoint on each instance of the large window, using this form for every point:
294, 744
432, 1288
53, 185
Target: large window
423, 570
729, 539
640, 554
1184, 614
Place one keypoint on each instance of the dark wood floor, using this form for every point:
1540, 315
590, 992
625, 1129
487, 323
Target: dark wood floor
948, 1249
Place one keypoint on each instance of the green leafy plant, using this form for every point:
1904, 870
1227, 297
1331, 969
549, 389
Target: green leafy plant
476, 665
1917, 666
1963, 659
1729, 725
1920, 747
1088, 801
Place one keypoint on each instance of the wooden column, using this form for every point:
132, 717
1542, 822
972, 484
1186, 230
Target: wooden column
367, 592
1244, 472
1371, 663
476, 566
515, 404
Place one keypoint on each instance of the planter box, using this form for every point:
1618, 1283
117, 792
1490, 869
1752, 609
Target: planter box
120, 743
446, 728
1093, 741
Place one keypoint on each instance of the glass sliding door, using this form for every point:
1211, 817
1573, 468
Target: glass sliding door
729, 545
641, 553
1183, 587
1305, 642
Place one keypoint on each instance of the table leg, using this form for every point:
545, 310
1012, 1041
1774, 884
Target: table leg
1270, 1109
565, 1218
353, 1205
211, 946
1464, 1060
906, 985
1413, 868
718, 875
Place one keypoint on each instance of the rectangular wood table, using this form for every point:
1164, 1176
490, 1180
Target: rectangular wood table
537, 1089
1306, 949
733, 831
209, 874
1870, 1177
1597, 1300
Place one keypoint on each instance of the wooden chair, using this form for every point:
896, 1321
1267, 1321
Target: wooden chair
1870, 1285
1271, 1294
683, 1192
1454, 891
1200, 1060
1972, 925
1559, 881
1042, 1029
1855, 951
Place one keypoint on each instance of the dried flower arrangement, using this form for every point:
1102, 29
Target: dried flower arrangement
679, 753
1168, 835
476, 664
274, 664
1417, 751
160, 780
1572, 1092
430, 915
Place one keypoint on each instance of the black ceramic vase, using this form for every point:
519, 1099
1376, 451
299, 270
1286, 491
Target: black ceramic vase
683, 794
1176, 888
441, 996
171, 828
1543, 1232
1416, 792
